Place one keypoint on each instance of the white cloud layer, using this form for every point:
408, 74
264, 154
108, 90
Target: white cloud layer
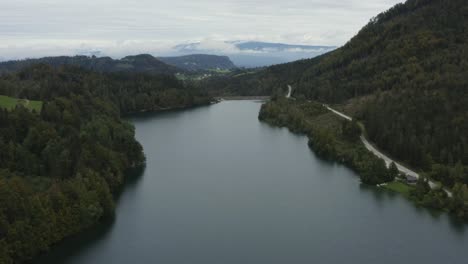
32, 28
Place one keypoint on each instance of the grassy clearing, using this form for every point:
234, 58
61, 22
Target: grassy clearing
399, 187
10, 103
221, 71
244, 73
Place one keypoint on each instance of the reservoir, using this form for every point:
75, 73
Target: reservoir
220, 187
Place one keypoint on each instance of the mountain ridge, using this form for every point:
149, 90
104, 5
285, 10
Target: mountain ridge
252, 54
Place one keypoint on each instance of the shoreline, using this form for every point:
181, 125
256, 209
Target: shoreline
350, 156
239, 98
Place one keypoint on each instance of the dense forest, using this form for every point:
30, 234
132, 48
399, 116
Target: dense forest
143, 63
130, 92
245, 82
60, 167
406, 72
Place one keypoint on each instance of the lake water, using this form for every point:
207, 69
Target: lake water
222, 188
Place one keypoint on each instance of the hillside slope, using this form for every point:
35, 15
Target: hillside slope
419, 44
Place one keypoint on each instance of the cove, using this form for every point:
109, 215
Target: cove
220, 187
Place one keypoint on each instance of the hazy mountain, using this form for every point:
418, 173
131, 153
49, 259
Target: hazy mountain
199, 62
266, 46
189, 56
255, 54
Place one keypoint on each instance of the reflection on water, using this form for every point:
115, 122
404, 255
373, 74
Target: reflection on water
381, 196
71, 247
132, 177
221, 187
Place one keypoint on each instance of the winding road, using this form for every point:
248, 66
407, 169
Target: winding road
375, 151
338, 113
289, 91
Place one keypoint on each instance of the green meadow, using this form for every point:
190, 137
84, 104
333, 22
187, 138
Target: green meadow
10, 103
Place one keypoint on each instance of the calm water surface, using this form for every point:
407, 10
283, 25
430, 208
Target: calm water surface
222, 188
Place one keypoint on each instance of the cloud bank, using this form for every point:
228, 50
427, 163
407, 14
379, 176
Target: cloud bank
33, 28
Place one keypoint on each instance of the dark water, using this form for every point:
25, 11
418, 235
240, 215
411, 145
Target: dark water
222, 188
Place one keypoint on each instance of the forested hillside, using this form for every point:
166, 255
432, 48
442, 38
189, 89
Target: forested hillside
200, 62
412, 61
143, 63
251, 82
407, 73
127, 91
60, 167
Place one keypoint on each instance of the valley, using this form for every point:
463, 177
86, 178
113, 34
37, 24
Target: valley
220, 150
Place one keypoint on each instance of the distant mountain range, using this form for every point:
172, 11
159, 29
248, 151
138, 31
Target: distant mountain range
185, 57
143, 63
270, 47
255, 54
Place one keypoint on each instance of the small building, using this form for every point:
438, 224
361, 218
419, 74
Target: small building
411, 179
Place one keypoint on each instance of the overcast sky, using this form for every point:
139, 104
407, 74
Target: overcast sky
32, 28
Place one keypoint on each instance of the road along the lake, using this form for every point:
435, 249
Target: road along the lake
381, 155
